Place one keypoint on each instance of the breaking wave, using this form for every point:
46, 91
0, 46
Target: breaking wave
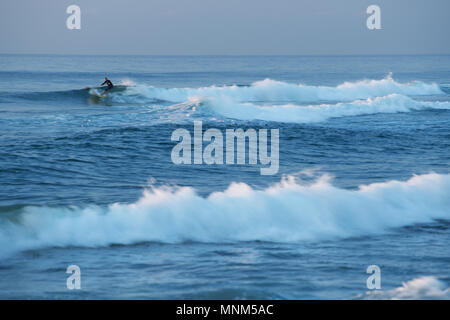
426, 287
275, 91
289, 211
392, 103
268, 90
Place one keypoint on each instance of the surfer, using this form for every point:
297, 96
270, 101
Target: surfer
108, 83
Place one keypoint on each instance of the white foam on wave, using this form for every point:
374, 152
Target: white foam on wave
127, 82
289, 211
271, 90
392, 103
426, 287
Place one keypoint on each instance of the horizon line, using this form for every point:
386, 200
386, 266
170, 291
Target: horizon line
226, 55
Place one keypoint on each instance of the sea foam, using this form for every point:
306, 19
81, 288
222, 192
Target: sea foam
392, 103
272, 90
289, 211
425, 287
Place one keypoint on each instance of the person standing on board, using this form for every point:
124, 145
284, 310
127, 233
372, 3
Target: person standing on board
108, 83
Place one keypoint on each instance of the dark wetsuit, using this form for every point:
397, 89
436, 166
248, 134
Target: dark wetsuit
108, 83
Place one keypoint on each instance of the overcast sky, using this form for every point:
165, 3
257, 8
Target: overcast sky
190, 27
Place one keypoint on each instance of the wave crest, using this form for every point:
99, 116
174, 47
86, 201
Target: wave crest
289, 211
315, 113
426, 287
275, 91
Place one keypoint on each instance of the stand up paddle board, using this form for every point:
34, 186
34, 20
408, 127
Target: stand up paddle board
97, 94
101, 93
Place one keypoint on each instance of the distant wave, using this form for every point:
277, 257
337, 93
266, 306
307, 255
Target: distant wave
75, 94
392, 103
275, 91
267, 90
122, 94
289, 211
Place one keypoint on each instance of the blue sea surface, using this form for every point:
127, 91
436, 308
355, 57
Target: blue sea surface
363, 179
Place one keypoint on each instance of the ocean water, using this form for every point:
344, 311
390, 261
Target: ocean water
363, 179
